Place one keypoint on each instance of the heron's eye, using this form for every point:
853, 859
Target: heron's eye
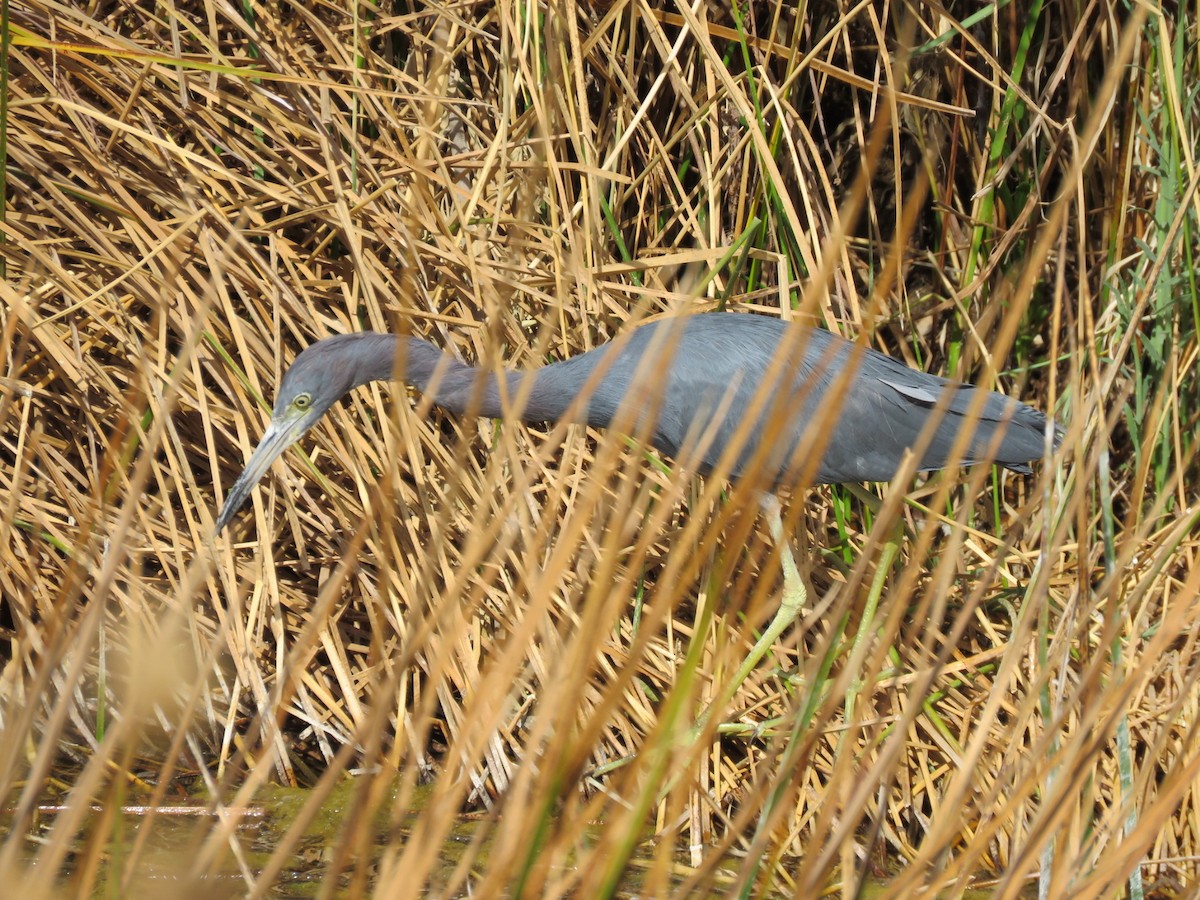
302, 401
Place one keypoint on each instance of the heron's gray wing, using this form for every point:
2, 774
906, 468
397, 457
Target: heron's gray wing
1020, 427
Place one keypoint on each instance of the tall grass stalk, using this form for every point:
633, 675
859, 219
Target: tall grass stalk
461, 657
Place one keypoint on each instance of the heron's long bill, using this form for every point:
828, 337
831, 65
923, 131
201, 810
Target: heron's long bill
277, 438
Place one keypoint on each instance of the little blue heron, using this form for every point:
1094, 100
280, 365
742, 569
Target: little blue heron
699, 379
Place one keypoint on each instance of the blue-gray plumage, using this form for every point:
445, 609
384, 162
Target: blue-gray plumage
690, 382
883, 407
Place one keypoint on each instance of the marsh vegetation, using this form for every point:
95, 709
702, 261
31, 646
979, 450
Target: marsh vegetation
443, 620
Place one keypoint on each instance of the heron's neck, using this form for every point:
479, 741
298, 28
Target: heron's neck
467, 390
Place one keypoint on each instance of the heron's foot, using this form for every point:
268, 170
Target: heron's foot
791, 607
791, 604
794, 681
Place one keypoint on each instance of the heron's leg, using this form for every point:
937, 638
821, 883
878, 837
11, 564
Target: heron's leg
794, 593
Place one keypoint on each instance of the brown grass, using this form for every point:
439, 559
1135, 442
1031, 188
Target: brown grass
526, 625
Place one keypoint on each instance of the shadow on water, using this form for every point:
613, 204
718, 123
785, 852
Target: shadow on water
146, 851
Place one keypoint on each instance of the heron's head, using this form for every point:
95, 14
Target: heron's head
320, 376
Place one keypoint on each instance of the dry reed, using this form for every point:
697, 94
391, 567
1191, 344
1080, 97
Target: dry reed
507, 635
